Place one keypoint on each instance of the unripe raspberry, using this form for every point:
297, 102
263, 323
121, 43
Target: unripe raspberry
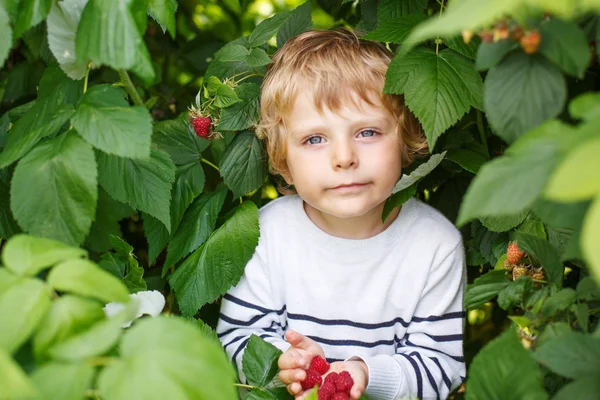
519, 271
530, 42
513, 254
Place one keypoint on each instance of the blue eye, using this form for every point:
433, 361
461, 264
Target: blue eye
368, 133
314, 140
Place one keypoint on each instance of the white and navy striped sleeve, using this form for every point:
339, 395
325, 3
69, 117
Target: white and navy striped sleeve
250, 308
429, 361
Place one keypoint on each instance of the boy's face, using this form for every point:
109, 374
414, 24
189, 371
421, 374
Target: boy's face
343, 165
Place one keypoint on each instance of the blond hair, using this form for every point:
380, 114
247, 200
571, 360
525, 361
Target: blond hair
333, 64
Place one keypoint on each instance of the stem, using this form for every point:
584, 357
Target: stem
437, 41
204, 160
133, 93
87, 76
248, 76
244, 386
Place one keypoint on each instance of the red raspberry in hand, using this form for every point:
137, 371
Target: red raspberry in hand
340, 396
331, 378
326, 391
312, 378
344, 382
319, 364
201, 126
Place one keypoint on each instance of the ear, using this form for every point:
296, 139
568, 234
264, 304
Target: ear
288, 177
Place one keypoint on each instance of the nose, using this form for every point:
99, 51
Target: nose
344, 155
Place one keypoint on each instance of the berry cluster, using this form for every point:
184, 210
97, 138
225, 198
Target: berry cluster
529, 39
334, 387
518, 267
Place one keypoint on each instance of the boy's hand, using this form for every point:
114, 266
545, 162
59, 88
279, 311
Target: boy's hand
358, 371
296, 359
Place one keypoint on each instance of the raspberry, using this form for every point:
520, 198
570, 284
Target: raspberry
519, 271
331, 378
201, 125
344, 382
312, 378
340, 396
319, 364
530, 42
513, 254
326, 391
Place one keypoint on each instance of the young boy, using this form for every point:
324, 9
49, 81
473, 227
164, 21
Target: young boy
382, 300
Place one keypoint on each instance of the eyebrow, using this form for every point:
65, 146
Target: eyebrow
379, 122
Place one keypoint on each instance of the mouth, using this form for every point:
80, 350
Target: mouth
349, 186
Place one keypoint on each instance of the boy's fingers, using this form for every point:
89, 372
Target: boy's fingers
300, 341
291, 359
288, 376
294, 388
356, 391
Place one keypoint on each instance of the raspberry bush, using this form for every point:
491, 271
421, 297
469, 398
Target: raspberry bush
129, 162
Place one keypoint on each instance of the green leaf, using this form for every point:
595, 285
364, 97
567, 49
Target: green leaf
389, 9
267, 28
563, 215
121, 247
513, 294
468, 50
107, 34
566, 45
225, 97
572, 355
260, 361
522, 92
107, 122
558, 302
395, 30
134, 279
5, 36
198, 223
145, 185
583, 388
143, 66
28, 255
62, 27
54, 189
156, 235
505, 370
95, 341
542, 250
420, 172
258, 58
299, 21
590, 237
31, 13
242, 165
517, 178
490, 54
533, 226
485, 288
576, 178
68, 316
243, 114
163, 11
503, 223
155, 364
86, 279
467, 159
234, 52
587, 289
113, 263
51, 380
177, 138
7, 279
397, 199
22, 308
8, 225
219, 263
14, 382
189, 183
428, 80
585, 106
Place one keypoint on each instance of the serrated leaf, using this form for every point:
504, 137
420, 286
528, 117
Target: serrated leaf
504, 369
5, 36
242, 164
163, 11
467, 159
267, 29
86, 279
485, 288
28, 255
198, 223
31, 13
395, 30
542, 250
107, 34
177, 138
590, 236
225, 96
536, 89
22, 308
54, 189
106, 121
244, 114
573, 355
13, 380
235, 52
490, 54
145, 185
438, 88
189, 183
50, 379
389, 9
258, 58
157, 236
69, 315
154, 363
219, 263
512, 295
62, 28
260, 361
420, 172
134, 279
397, 199
566, 45
458, 44
120, 246
503, 223
299, 21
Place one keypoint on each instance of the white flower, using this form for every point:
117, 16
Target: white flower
150, 302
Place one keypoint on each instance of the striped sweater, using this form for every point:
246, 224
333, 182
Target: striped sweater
394, 300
